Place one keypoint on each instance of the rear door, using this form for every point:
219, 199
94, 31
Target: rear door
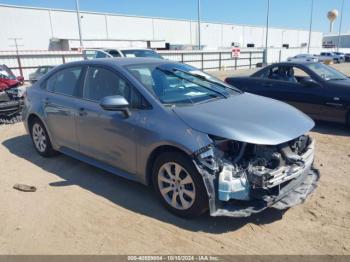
60, 105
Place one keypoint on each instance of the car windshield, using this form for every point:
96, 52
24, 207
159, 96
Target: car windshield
180, 84
141, 53
326, 72
5, 74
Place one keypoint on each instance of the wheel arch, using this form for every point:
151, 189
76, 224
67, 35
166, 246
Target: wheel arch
155, 153
31, 117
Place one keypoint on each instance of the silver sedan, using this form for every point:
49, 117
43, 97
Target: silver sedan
201, 143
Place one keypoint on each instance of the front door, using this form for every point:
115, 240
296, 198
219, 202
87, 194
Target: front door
106, 135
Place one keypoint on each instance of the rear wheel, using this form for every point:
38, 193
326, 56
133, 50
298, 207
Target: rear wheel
41, 139
179, 185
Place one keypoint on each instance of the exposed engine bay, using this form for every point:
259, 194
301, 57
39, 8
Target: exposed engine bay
247, 178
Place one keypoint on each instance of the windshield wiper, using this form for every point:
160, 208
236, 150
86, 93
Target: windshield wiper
184, 78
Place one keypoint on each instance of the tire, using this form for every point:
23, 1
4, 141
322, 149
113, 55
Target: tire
40, 139
191, 199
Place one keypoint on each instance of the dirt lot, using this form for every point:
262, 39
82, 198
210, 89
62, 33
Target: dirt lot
79, 209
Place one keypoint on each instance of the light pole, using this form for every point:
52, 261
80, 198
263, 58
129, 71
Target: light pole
79, 23
341, 21
283, 32
267, 30
199, 24
310, 29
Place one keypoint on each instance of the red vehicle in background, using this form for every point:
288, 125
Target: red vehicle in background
8, 79
10, 101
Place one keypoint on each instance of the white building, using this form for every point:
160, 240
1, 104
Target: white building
332, 40
52, 29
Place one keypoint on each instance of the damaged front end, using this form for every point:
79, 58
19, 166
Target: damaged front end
242, 178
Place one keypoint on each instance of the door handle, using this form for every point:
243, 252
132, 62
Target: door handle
82, 112
46, 101
267, 85
334, 104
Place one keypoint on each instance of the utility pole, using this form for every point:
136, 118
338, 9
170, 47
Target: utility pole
310, 29
267, 30
79, 23
199, 24
341, 21
16, 45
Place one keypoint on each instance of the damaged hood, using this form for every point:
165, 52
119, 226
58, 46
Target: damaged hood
247, 118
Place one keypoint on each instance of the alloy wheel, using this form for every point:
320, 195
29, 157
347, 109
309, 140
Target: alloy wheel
39, 137
176, 186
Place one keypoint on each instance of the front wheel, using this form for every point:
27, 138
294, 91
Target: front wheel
179, 185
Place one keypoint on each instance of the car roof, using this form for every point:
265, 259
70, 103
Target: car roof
294, 63
119, 49
121, 61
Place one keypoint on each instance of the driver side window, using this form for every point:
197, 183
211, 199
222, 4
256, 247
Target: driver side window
283, 73
300, 75
101, 82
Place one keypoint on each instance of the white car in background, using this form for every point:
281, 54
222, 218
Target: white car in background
331, 57
112, 53
341, 56
303, 58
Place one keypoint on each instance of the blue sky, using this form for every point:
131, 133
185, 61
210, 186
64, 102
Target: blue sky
284, 13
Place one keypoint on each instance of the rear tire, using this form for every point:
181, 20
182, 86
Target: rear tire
41, 139
179, 185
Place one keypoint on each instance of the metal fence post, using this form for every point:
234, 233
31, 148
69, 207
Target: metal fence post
202, 59
220, 61
236, 63
63, 59
280, 55
250, 60
182, 57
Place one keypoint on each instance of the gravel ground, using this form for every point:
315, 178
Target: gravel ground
79, 209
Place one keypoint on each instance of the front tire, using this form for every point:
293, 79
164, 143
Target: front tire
40, 139
179, 185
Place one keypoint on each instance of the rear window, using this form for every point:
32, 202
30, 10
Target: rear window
141, 53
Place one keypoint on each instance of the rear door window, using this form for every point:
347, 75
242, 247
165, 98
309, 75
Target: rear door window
65, 81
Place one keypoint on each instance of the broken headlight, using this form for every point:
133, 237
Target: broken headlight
206, 157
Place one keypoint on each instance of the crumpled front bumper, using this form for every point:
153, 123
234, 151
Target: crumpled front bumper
292, 190
293, 194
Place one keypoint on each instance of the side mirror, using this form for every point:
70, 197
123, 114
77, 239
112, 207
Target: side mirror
309, 82
116, 103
